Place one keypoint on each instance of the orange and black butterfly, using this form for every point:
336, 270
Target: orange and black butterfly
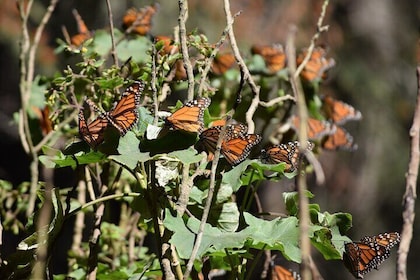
317, 66
339, 112
139, 21
361, 257
288, 153
93, 132
190, 116
222, 63
279, 272
124, 115
236, 145
274, 56
339, 140
317, 129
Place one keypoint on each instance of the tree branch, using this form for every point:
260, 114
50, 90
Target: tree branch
409, 199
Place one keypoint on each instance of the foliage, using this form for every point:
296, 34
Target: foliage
138, 178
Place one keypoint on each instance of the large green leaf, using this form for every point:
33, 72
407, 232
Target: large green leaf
129, 151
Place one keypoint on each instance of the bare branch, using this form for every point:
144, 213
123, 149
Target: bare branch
409, 199
111, 26
182, 19
244, 69
320, 28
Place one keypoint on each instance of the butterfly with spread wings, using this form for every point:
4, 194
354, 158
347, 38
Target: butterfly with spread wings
338, 111
189, 117
339, 140
123, 116
288, 153
236, 145
361, 257
317, 129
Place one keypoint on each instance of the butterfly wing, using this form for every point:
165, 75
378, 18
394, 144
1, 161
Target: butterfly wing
125, 115
317, 129
339, 112
237, 149
140, 21
317, 66
92, 133
189, 117
281, 273
340, 140
222, 63
274, 56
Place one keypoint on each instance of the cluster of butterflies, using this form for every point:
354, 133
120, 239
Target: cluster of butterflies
330, 132
235, 146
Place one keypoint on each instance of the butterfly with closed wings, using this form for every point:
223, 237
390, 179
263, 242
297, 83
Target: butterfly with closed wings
288, 153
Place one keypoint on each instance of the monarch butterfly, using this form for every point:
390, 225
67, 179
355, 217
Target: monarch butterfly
92, 133
189, 117
222, 63
139, 21
317, 65
370, 252
210, 136
288, 153
338, 111
279, 272
236, 146
124, 115
317, 129
274, 56
340, 140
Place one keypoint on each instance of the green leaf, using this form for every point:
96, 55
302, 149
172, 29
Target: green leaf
279, 234
129, 151
56, 159
187, 156
226, 216
138, 49
291, 200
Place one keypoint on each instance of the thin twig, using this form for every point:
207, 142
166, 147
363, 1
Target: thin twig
111, 26
213, 55
182, 19
153, 86
209, 200
243, 68
305, 245
276, 100
319, 29
410, 195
